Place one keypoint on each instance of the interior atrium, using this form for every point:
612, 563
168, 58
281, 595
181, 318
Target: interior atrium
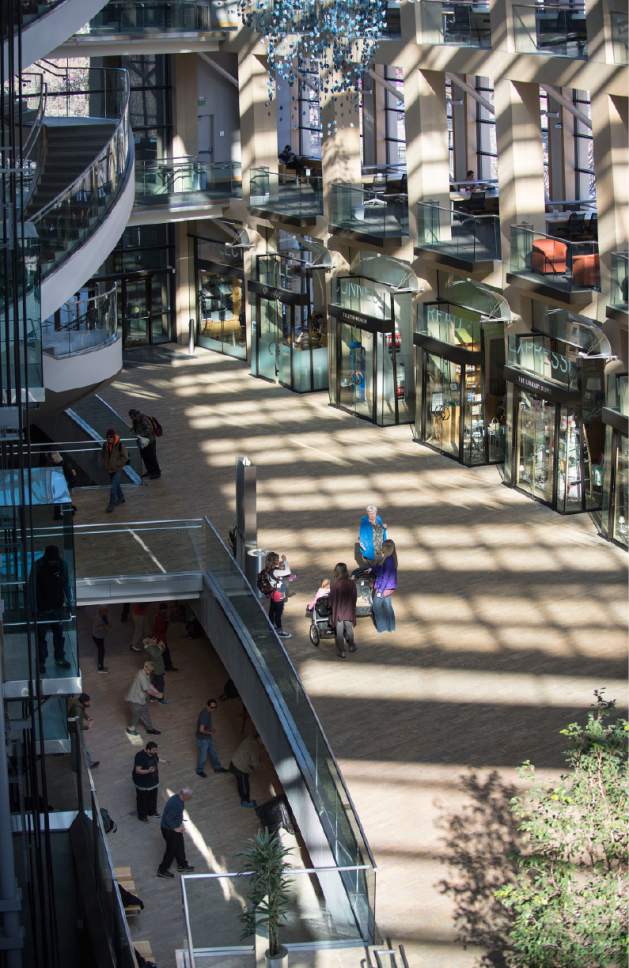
344, 280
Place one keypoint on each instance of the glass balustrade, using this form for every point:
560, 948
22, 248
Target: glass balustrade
163, 16
368, 212
290, 196
185, 181
556, 263
619, 280
461, 24
83, 323
65, 222
31, 10
469, 239
550, 29
21, 367
451, 325
362, 295
543, 356
83, 459
620, 36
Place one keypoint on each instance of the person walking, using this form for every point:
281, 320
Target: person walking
205, 743
101, 627
145, 777
244, 762
144, 429
155, 655
78, 710
137, 697
385, 584
160, 628
51, 590
343, 597
172, 832
138, 620
270, 582
115, 458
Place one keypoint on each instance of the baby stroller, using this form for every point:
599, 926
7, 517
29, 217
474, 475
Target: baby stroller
364, 594
320, 621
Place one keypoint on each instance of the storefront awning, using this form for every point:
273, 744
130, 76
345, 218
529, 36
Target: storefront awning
480, 299
391, 272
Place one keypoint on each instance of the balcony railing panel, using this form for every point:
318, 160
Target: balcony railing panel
550, 29
128, 17
83, 323
364, 211
619, 280
291, 196
469, 238
556, 263
457, 23
185, 181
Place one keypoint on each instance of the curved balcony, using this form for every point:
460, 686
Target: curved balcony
82, 347
183, 188
47, 23
84, 193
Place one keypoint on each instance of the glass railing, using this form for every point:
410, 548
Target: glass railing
362, 295
83, 323
617, 393
185, 181
557, 263
620, 36
33, 9
292, 196
551, 359
281, 272
469, 238
163, 16
447, 324
64, 223
21, 366
318, 916
550, 29
619, 280
392, 20
462, 24
366, 211
82, 459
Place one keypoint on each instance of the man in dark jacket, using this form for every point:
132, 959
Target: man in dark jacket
146, 781
115, 457
53, 595
142, 426
343, 604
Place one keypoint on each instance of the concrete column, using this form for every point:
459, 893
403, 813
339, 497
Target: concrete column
521, 154
258, 116
426, 138
501, 22
600, 28
341, 154
185, 132
185, 283
611, 160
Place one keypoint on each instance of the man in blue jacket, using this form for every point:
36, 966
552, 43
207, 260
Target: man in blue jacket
172, 832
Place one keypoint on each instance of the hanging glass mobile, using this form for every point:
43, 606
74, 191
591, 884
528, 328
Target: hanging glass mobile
336, 38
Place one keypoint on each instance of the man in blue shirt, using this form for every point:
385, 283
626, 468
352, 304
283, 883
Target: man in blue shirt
205, 744
172, 832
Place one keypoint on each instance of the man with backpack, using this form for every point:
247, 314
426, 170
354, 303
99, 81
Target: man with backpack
115, 458
53, 595
147, 429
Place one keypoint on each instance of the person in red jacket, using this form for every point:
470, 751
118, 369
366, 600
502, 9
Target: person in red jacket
160, 628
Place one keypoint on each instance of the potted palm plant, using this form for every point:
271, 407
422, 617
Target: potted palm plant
268, 894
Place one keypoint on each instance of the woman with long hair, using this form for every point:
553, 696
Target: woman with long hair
385, 585
343, 605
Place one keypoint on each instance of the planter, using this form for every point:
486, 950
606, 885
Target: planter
278, 961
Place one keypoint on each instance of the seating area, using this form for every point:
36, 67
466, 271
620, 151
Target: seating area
559, 263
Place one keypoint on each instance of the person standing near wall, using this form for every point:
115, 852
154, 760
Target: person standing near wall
101, 627
244, 762
144, 428
146, 780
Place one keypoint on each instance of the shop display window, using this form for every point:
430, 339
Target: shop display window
548, 358
620, 519
535, 446
220, 313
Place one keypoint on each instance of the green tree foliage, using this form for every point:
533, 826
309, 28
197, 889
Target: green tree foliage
567, 898
269, 899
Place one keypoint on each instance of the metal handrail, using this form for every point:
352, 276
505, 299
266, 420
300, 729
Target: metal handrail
37, 125
75, 323
102, 154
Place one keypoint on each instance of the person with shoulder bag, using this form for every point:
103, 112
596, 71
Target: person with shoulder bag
147, 430
115, 458
270, 582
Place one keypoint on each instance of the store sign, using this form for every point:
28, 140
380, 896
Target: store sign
548, 390
352, 318
282, 295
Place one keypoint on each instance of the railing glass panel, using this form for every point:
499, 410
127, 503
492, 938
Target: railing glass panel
366, 211
83, 323
620, 36
550, 29
554, 262
64, 223
288, 195
185, 181
451, 325
363, 295
83, 460
20, 322
462, 24
470, 238
163, 16
619, 280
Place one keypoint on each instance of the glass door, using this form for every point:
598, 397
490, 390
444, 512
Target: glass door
355, 370
268, 338
285, 343
442, 404
145, 308
535, 447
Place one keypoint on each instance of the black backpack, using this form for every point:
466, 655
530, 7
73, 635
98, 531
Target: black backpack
49, 584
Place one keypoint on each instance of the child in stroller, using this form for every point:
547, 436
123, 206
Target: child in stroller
320, 614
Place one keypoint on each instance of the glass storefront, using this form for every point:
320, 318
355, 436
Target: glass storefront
370, 336
220, 308
290, 337
556, 442
614, 519
459, 356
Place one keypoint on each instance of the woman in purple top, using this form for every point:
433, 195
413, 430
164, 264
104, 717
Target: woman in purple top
385, 584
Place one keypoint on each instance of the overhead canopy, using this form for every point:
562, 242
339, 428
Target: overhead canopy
391, 272
48, 486
481, 299
582, 333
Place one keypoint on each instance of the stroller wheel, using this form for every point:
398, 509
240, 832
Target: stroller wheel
315, 637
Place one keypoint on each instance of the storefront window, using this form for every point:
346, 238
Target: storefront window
363, 296
551, 359
356, 370
570, 470
443, 404
535, 447
220, 313
620, 531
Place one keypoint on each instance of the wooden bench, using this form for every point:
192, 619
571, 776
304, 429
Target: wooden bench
144, 947
124, 877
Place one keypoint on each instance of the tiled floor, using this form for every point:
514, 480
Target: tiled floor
508, 614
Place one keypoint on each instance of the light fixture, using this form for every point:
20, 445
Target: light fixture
334, 38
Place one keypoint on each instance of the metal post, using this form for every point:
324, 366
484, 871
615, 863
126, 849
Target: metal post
10, 905
191, 342
246, 511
